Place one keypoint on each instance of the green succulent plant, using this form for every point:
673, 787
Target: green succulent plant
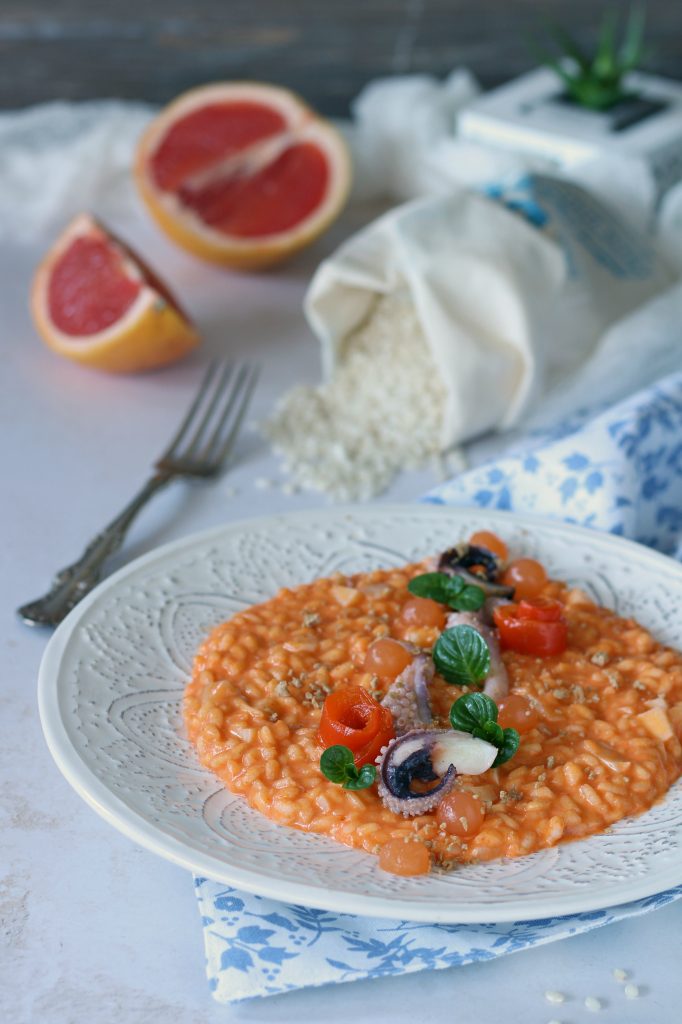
595, 80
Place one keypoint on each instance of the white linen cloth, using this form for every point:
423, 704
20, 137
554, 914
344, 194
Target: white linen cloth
512, 290
481, 281
60, 159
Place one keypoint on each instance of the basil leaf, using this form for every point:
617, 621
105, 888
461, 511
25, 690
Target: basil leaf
510, 745
335, 763
436, 585
469, 599
450, 590
472, 710
491, 732
365, 777
477, 713
461, 656
338, 765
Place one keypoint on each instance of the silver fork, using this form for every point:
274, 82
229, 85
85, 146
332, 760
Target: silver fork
200, 448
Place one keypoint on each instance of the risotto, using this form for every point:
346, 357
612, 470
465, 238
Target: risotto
599, 721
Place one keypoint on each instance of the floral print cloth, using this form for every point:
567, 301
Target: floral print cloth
619, 470
258, 947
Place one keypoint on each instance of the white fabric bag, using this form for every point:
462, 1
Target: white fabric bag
512, 290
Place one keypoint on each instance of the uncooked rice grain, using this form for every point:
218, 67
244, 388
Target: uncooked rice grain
381, 412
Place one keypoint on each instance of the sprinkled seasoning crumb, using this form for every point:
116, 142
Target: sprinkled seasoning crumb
554, 997
310, 619
631, 991
599, 658
619, 974
593, 1004
551, 761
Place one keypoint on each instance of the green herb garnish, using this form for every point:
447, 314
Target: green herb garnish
596, 79
450, 590
509, 747
477, 713
461, 656
338, 765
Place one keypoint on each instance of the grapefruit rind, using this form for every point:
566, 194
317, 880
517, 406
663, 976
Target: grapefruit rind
152, 333
187, 229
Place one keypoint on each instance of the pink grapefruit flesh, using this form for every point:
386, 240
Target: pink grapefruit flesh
89, 289
271, 201
243, 174
209, 134
94, 301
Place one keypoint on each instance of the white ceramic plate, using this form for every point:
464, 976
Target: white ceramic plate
111, 686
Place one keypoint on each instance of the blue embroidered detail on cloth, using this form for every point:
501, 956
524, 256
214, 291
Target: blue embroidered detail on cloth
620, 471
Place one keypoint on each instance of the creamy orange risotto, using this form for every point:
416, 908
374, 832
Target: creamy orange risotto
599, 723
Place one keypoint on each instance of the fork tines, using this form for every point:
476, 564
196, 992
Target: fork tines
207, 434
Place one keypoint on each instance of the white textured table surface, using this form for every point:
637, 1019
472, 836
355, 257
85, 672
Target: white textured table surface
93, 929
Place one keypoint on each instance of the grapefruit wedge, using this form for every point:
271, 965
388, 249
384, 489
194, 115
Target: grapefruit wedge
93, 300
242, 174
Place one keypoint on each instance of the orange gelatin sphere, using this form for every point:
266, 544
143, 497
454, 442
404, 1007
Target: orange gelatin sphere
386, 658
516, 712
422, 611
490, 541
527, 577
405, 858
461, 813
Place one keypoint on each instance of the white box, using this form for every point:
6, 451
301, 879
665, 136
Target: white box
532, 115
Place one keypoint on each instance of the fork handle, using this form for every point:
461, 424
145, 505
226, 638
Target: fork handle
72, 583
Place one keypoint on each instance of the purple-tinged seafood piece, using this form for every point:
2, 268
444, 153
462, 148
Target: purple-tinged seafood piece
408, 697
496, 685
457, 562
487, 612
433, 755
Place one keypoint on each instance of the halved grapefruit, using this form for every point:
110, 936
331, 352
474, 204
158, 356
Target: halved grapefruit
243, 174
94, 301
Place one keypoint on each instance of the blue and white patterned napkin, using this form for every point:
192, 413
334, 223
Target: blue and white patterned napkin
259, 947
619, 470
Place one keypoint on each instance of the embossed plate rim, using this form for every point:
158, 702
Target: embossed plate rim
82, 777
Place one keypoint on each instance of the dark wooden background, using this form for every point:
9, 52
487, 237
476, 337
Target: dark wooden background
325, 49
